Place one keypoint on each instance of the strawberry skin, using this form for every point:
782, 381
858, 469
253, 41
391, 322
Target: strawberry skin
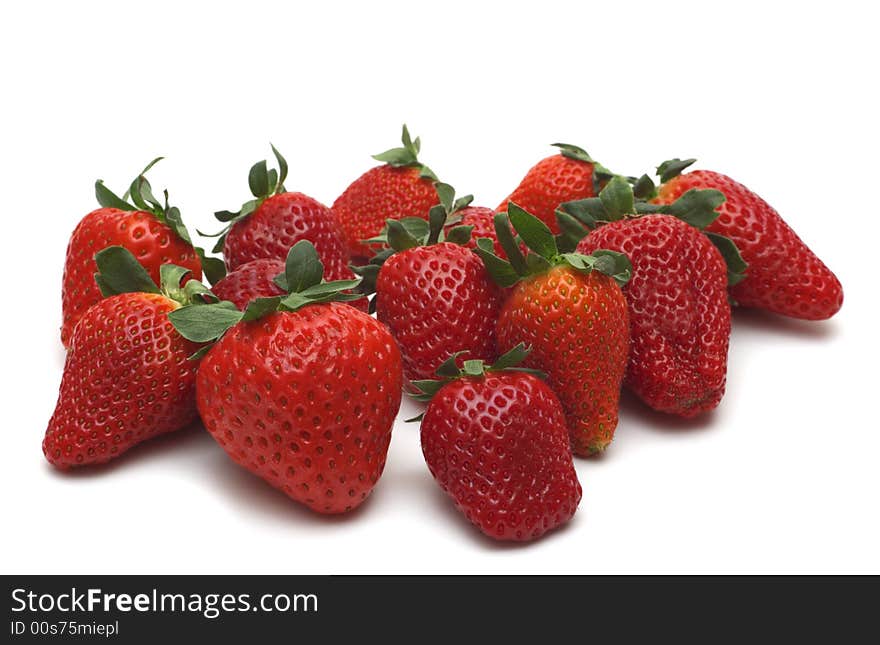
382, 193
126, 379
498, 446
305, 400
483, 221
783, 275
437, 300
254, 279
577, 327
152, 243
679, 312
550, 182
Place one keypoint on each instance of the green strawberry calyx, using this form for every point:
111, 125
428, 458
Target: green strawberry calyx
264, 182
442, 225
618, 200
601, 174
142, 199
543, 251
303, 280
406, 156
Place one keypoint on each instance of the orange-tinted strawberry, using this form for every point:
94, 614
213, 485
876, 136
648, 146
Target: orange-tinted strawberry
784, 275
571, 174
301, 391
495, 440
570, 311
127, 375
402, 187
153, 232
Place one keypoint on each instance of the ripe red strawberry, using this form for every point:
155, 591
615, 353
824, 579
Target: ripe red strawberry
402, 187
153, 232
569, 309
677, 297
435, 296
482, 221
495, 440
127, 377
571, 174
301, 391
784, 275
254, 279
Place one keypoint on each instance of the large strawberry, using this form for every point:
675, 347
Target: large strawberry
677, 295
433, 293
268, 225
301, 391
784, 275
569, 309
571, 174
494, 438
128, 375
153, 232
402, 187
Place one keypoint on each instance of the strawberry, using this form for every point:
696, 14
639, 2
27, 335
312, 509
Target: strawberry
252, 280
127, 377
494, 438
677, 296
153, 232
402, 187
784, 276
433, 293
569, 309
571, 174
300, 390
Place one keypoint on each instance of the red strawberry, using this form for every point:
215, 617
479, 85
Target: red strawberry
570, 175
495, 440
254, 279
569, 309
153, 232
127, 377
403, 187
302, 391
483, 222
784, 275
435, 296
677, 297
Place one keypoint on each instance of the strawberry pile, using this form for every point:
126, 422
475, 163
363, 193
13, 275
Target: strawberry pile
517, 327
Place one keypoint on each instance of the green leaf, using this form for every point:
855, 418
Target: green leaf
427, 389
329, 288
589, 211
462, 202
672, 168
213, 268
446, 195
573, 152
696, 207
119, 272
644, 188
282, 167
108, 199
473, 367
511, 358
436, 221
258, 179
449, 367
534, 233
501, 271
399, 238
170, 278
460, 235
303, 268
204, 323
617, 198
571, 232
368, 273
736, 266
614, 264
259, 307
508, 242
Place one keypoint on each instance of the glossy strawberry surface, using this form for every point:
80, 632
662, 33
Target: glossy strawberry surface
152, 243
305, 400
577, 327
498, 446
784, 275
127, 378
254, 279
679, 312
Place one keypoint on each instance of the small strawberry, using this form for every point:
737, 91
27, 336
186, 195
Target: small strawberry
127, 377
153, 232
494, 438
569, 309
402, 187
433, 293
677, 295
300, 390
571, 174
252, 280
784, 276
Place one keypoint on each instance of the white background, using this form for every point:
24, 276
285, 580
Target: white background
783, 477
